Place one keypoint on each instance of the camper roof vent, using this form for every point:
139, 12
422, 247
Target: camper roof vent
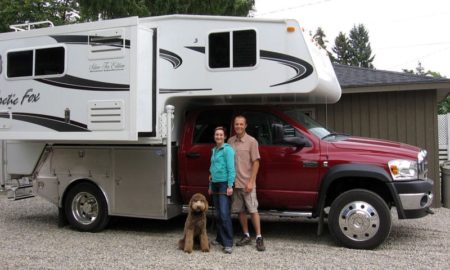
105, 115
106, 44
28, 26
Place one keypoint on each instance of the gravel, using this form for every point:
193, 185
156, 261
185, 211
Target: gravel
31, 239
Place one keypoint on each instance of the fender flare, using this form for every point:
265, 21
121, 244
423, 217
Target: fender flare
352, 170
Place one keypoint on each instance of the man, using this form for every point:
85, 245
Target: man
244, 196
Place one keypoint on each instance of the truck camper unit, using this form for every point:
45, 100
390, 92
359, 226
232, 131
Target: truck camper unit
111, 80
87, 109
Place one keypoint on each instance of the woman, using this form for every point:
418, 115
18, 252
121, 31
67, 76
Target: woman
222, 174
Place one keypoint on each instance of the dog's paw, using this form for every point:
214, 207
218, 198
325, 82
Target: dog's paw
205, 250
188, 250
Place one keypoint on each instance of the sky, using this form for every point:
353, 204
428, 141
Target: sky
401, 32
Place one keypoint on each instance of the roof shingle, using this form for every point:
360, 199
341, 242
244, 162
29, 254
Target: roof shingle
351, 76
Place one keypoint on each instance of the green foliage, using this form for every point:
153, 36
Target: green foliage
354, 50
320, 39
68, 11
17, 12
360, 50
108, 9
342, 49
443, 105
92, 10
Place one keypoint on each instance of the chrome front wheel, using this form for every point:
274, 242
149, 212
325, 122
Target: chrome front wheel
359, 219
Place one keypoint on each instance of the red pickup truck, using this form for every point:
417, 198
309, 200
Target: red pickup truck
307, 170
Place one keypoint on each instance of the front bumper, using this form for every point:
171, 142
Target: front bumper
414, 198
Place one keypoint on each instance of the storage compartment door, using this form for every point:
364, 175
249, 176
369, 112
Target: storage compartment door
139, 182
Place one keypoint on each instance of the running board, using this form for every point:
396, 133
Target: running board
266, 213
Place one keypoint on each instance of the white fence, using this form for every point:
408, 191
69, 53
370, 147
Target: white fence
444, 137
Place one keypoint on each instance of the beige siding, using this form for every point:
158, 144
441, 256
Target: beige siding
408, 116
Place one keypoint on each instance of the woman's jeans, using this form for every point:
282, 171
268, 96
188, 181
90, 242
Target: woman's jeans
222, 204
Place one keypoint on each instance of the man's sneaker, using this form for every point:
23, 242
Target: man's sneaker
227, 250
216, 243
260, 244
245, 240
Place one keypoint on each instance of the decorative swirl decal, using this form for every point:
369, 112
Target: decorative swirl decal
173, 58
51, 122
72, 82
301, 67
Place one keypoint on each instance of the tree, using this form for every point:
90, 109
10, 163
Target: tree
420, 70
319, 39
110, 9
18, 12
342, 50
107, 9
359, 49
443, 105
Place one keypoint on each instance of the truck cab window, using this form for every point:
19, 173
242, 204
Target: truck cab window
206, 122
261, 125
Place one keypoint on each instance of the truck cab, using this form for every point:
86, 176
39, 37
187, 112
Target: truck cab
306, 168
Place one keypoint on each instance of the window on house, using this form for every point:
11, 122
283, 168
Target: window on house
241, 52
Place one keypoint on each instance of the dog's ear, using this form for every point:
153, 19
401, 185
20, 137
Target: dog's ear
205, 201
191, 201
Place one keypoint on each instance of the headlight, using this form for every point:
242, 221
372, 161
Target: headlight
402, 169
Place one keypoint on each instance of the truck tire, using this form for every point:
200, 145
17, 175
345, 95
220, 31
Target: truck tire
86, 208
359, 219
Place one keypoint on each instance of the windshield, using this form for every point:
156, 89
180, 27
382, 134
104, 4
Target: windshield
306, 121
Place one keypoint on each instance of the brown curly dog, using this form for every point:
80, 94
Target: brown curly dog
195, 226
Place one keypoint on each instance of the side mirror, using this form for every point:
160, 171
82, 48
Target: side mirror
279, 138
296, 141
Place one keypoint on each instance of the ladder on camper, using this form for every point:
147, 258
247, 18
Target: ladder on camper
28, 26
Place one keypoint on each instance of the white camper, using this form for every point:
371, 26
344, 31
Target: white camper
90, 108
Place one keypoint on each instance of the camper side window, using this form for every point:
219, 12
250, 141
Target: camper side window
239, 53
46, 62
49, 61
20, 64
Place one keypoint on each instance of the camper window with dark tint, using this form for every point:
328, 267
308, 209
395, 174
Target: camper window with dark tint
49, 61
219, 50
244, 48
20, 64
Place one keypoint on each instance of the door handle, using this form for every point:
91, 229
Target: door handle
193, 155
